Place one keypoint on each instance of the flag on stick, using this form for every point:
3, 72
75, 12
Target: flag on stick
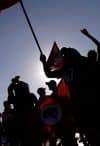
4, 4
55, 60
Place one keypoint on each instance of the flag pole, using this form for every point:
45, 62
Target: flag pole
29, 23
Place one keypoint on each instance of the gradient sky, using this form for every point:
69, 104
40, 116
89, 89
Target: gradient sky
52, 20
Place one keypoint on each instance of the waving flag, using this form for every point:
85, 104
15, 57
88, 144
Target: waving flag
55, 60
4, 4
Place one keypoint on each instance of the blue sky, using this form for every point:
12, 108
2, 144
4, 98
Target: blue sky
52, 20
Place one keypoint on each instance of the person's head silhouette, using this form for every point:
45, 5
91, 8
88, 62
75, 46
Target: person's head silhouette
52, 85
92, 56
71, 55
41, 91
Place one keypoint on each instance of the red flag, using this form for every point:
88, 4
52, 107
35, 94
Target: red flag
46, 102
55, 60
63, 89
4, 4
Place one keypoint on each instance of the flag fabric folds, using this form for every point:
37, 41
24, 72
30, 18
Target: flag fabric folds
4, 4
55, 61
63, 89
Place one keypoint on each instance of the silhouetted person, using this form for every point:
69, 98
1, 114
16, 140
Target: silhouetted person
94, 40
92, 56
53, 111
64, 127
93, 61
42, 103
42, 94
70, 70
74, 73
25, 110
93, 74
20, 95
8, 123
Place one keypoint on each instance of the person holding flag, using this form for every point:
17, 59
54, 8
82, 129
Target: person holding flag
70, 59
81, 79
72, 72
68, 69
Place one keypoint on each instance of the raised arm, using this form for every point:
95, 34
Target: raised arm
86, 33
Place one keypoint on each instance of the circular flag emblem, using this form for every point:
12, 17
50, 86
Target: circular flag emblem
51, 114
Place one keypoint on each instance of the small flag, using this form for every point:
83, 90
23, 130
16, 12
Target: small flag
4, 4
55, 60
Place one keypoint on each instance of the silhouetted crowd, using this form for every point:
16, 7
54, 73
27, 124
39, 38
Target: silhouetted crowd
28, 120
